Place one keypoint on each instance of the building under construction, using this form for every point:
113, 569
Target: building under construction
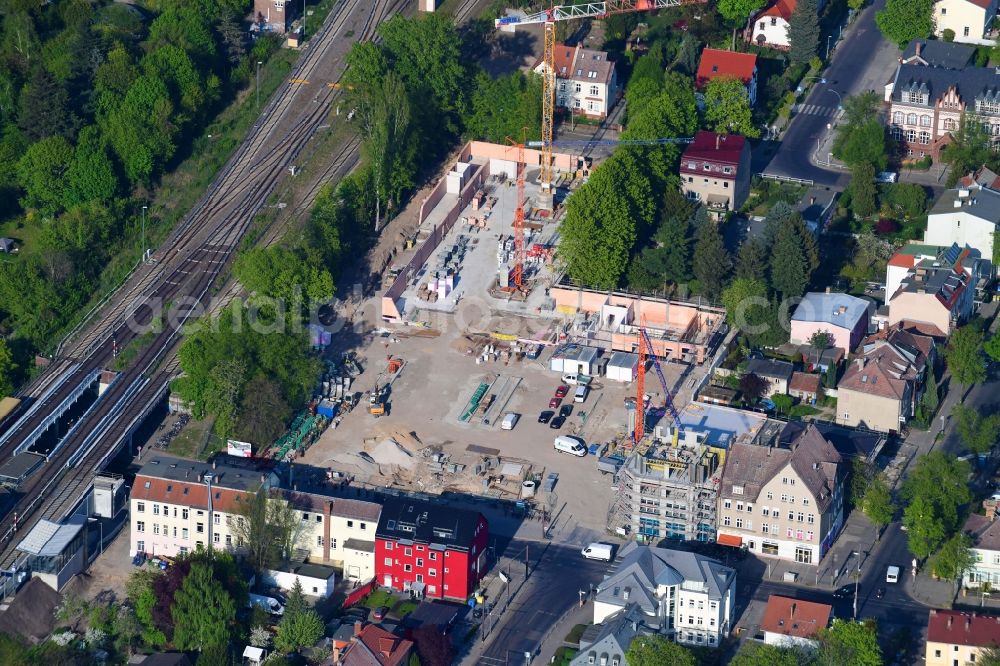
668, 492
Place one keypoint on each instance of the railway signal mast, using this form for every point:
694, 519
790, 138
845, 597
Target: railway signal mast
549, 17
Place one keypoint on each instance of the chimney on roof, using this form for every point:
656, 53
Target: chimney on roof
828, 290
718, 138
950, 619
201, 477
791, 614
812, 200
213, 464
968, 623
920, 47
357, 627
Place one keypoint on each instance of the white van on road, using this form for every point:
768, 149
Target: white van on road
604, 552
570, 444
892, 574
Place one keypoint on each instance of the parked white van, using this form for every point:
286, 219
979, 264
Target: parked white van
599, 551
509, 421
569, 444
892, 574
581, 394
270, 604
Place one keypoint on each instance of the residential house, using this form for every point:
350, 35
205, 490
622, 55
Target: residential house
954, 637
430, 550
804, 386
985, 534
936, 292
715, 170
820, 360
769, 27
172, 512
607, 642
178, 505
684, 595
586, 82
374, 646
937, 53
783, 501
881, 388
966, 216
843, 316
790, 622
926, 103
717, 63
970, 20
817, 206
983, 177
906, 260
776, 373
337, 531
272, 15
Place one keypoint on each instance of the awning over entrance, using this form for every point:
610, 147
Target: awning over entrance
730, 540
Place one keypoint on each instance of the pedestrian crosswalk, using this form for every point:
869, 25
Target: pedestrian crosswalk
815, 110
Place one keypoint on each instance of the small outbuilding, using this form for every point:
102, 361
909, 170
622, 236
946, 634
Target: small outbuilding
8, 245
316, 579
574, 358
623, 366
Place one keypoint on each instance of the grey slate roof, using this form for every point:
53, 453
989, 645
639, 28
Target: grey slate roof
769, 367
984, 532
644, 568
612, 637
837, 309
970, 82
939, 53
983, 203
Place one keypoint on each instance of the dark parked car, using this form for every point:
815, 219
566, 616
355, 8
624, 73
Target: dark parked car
546, 416
844, 592
565, 411
557, 422
379, 614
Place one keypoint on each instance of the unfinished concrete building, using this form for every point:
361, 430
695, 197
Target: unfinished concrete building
678, 330
667, 492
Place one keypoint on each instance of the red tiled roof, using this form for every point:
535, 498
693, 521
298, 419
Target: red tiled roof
903, 260
718, 148
782, 8
804, 382
984, 4
716, 62
954, 628
795, 617
375, 645
190, 494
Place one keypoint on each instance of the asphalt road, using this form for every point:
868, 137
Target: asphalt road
551, 590
859, 63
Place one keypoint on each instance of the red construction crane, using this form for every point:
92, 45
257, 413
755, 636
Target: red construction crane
565, 13
518, 273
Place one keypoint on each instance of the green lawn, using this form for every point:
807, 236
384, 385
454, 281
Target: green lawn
803, 410
405, 608
564, 656
191, 439
378, 598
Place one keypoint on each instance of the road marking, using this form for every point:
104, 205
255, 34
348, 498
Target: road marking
299, 81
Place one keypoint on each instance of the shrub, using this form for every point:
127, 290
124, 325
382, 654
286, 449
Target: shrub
886, 225
948, 35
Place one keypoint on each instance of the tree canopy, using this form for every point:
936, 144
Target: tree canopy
933, 493
658, 651
848, 642
904, 20
203, 612
711, 262
964, 355
727, 107
804, 32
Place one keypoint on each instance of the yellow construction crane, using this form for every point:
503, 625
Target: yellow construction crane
549, 17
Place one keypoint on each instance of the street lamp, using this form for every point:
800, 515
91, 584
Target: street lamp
828, 47
259, 63
303, 38
144, 232
840, 100
799, 89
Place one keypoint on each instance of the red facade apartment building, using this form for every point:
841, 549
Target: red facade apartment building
430, 550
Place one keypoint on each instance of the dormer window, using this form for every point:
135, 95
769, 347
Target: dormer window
988, 105
916, 97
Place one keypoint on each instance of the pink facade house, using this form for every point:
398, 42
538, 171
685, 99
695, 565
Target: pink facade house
843, 316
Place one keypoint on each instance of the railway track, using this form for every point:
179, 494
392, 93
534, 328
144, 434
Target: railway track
182, 272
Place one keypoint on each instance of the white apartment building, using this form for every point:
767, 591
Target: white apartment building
179, 505
684, 595
966, 216
586, 81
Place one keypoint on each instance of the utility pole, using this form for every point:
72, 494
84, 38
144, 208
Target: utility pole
857, 582
144, 232
259, 63
303, 38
